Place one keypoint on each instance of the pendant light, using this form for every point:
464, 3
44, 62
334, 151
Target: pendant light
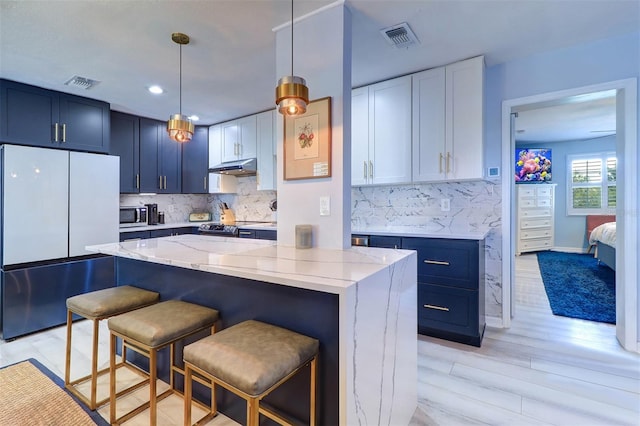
180, 128
292, 94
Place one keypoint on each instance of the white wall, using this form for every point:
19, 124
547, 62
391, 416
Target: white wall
322, 56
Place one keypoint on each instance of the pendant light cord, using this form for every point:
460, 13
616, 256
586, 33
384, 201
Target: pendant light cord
181, 79
291, 37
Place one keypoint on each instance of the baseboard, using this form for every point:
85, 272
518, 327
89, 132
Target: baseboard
494, 322
570, 249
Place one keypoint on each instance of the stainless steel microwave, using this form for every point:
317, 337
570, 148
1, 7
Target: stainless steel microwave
133, 216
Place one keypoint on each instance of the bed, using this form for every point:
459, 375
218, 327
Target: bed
603, 237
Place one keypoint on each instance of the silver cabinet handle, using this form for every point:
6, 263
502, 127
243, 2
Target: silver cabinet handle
205, 183
55, 132
438, 308
245, 232
371, 169
364, 174
137, 180
436, 262
448, 160
239, 149
64, 133
165, 182
440, 167
160, 182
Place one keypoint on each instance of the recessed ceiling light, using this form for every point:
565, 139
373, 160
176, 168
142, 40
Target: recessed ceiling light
156, 90
194, 118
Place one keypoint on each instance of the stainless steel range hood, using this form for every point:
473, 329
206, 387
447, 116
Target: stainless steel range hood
246, 167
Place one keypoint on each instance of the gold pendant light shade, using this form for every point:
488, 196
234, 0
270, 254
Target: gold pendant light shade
179, 127
292, 95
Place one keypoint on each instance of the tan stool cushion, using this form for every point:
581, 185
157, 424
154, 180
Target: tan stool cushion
162, 323
251, 356
111, 301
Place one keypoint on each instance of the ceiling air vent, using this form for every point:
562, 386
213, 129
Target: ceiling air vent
399, 36
81, 82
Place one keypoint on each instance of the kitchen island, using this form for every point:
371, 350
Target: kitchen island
360, 303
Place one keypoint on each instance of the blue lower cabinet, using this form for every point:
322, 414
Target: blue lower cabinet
260, 234
385, 241
450, 288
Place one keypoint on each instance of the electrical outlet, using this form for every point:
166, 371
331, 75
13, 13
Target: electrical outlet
445, 204
325, 206
171, 208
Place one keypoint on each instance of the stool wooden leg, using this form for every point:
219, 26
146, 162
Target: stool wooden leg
94, 364
187, 395
313, 413
153, 363
112, 378
67, 362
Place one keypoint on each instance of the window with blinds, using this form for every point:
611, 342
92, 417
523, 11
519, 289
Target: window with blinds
591, 184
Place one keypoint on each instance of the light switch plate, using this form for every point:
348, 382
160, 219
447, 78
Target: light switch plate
493, 172
445, 204
325, 206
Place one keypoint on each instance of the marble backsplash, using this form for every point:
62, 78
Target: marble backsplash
247, 203
472, 205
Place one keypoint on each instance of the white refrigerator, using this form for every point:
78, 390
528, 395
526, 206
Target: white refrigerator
53, 204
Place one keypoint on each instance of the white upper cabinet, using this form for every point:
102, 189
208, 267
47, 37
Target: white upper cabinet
448, 122
239, 139
266, 147
218, 183
381, 138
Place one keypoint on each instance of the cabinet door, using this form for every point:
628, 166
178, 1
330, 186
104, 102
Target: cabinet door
35, 209
266, 234
247, 128
465, 134
218, 183
428, 125
230, 140
149, 172
27, 114
125, 143
360, 136
170, 156
85, 123
195, 163
390, 131
266, 151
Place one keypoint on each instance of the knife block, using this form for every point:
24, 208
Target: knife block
227, 217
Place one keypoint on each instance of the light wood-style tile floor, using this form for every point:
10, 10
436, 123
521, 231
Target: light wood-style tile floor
544, 370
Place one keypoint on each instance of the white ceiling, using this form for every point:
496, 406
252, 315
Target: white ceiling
229, 66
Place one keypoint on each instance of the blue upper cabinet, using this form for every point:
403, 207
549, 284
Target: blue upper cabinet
125, 143
195, 163
34, 116
160, 159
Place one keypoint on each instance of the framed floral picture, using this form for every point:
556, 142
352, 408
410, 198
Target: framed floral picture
307, 142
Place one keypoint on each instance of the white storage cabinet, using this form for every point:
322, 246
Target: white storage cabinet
535, 211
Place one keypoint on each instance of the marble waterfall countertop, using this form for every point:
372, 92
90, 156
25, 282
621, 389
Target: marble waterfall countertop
459, 233
325, 270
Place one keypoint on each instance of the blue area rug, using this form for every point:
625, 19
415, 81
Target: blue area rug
578, 287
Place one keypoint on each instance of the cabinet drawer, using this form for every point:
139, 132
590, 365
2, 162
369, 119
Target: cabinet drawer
539, 244
527, 202
446, 262
535, 223
535, 233
536, 213
385, 242
447, 308
247, 233
545, 191
543, 202
526, 192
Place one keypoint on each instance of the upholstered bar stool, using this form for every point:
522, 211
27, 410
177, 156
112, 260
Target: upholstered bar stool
148, 330
96, 306
250, 359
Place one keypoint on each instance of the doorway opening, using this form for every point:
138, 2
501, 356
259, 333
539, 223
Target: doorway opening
626, 149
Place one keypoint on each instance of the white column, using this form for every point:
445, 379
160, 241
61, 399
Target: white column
322, 56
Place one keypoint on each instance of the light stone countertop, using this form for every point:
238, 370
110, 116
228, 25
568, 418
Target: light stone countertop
326, 270
459, 233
